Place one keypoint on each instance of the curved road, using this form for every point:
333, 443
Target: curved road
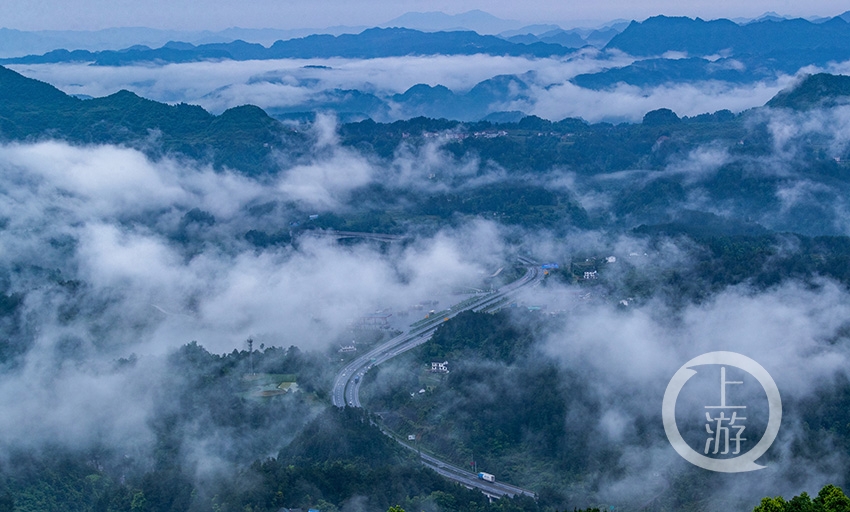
346, 388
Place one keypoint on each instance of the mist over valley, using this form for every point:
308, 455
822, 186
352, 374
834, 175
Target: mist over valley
350, 282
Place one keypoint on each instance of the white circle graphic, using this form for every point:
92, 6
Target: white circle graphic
746, 461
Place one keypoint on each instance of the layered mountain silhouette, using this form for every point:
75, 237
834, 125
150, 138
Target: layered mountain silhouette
371, 43
31, 109
721, 50
696, 37
717, 50
485, 98
769, 40
476, 20
439, 101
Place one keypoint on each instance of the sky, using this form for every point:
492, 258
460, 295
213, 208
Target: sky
287, 14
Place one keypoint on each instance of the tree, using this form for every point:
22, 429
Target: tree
829, 499
777, 504
7, 502
833, 499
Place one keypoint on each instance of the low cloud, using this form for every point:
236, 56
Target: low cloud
628, 103
627, 358
286, 84
114, 255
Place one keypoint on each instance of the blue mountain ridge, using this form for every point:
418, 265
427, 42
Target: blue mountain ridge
721, 50
718, 50
371, 43
485, 98
696, 37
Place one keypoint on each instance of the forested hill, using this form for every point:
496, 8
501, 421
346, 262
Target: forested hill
245, 136
248, 140
815, 91
241, 137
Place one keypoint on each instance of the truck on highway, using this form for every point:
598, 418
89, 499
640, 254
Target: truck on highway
487, 477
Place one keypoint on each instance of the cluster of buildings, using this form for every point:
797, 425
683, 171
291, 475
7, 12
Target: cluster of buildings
485, 134
438, 367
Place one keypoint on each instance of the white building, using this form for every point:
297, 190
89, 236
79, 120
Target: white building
440, 367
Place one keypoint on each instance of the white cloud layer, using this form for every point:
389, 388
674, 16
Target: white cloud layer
219, 85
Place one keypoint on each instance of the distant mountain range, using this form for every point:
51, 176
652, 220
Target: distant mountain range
18, 43
721, 50
728, 51
475, 20
371, 43
670, 50
661, 34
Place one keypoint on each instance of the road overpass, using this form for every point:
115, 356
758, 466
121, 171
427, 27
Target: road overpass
339, 235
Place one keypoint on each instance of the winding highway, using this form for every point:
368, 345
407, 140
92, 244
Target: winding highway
346, 388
